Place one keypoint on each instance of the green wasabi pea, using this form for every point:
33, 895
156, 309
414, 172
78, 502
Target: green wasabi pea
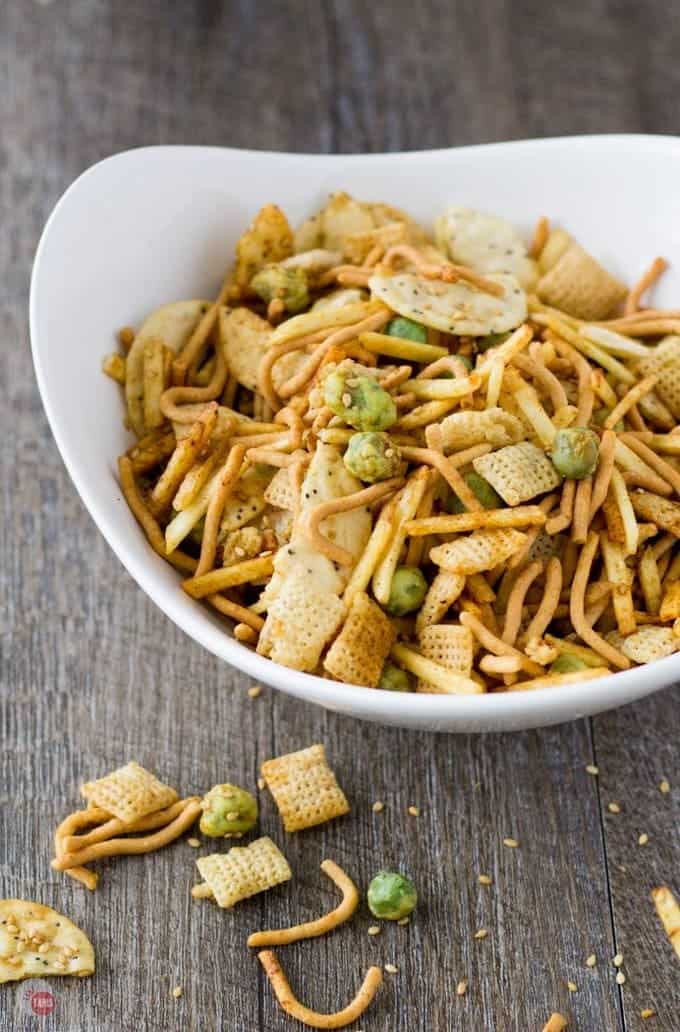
391, 896
227, 811
359, 401
492, 340
575, 451
372, 456
407, 591
566, 663
287, 285
481, 489
394, 679
407, 329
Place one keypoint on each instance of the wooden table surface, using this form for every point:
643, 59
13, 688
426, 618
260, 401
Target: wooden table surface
92, 674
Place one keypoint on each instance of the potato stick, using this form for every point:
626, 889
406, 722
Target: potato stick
229, 576
406, 504
546, 380
425, 414
528, 401
372, 553
236, 612
447, 468
603, 389
648, 481
311, 929
200, 376
226, 481
458, 523
634, 417
668, 910
663, 565
479, 588
493, 384
663, 545
132, 846
555, 1023
669, 444
540, 237
556, 524
586, 347
629, 399
581, 516
229, 393
399, 347
630, 461
151, 450
643, 327
585, 373
673, 571
555, 680
311, 519
622, 498
147, 520
438, 390
114, 366
196, 479
181, 524
281, 441
247, 427
647, 280
548, 604
497, 666
153, 371
417, 546
271, 457
513, 612
545, 505
492, 643
181, 461
658, 465
603, 475
314, 1019
114, 826
643, 315
577, 602
622, 580
447, 681
571, 648
245, 634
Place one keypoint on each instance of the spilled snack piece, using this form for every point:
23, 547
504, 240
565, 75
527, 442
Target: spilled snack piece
555, 1023
242, 872
304, 788
37, 941
391, 896
668, 909
322, 925
228, 812
129, 792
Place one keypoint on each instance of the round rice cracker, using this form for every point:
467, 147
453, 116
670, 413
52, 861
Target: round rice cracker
173, 324
69, 952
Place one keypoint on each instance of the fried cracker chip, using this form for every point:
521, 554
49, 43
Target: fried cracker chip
486, 243
358, 653
304, 788
244, 338
243, 871
357, 245
268, 239
479, 551
664, 361
492, 426
453, 307
129, 793
580, 286
37, 941
442, 593
342, 217
648, 643
656, 509
518, 472
451, 646
670, 604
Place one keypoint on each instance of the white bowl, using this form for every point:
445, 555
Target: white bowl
159, 224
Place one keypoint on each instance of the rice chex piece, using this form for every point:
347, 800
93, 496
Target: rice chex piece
650, 642
358, 653
580, 286
450, 645
491, 426
442, 593
518, 472
304, 788
670, 604
244, 871
280, 491
664, 361
300, 623
656, 509
479, 551
129, 793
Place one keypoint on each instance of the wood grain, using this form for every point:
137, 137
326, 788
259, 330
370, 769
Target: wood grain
91, 673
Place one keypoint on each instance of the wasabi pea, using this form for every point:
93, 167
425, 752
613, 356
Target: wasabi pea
371, 456
575, 451
566, 663
394, 679
287, 285
407, 329
227, 811
481, 489
391, 896
359, 401
407, 591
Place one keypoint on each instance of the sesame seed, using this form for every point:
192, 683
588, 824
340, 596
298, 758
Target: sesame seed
461, 988
414, 811
484, 879
647, 1012
255, 691
572, 987
591, 960
620, 978
664, 787
261, 784
511, 843
643, 839
374, 930
177, 992
391, 969
233, 815
378, 806
59, 965
403, 921
239, 551
194, 843
592, 769
613, 807
618, 960
481, 933
44, 948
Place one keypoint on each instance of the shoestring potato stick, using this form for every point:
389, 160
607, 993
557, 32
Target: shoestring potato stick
646, 281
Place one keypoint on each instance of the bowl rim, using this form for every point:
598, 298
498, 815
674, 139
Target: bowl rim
565, 702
